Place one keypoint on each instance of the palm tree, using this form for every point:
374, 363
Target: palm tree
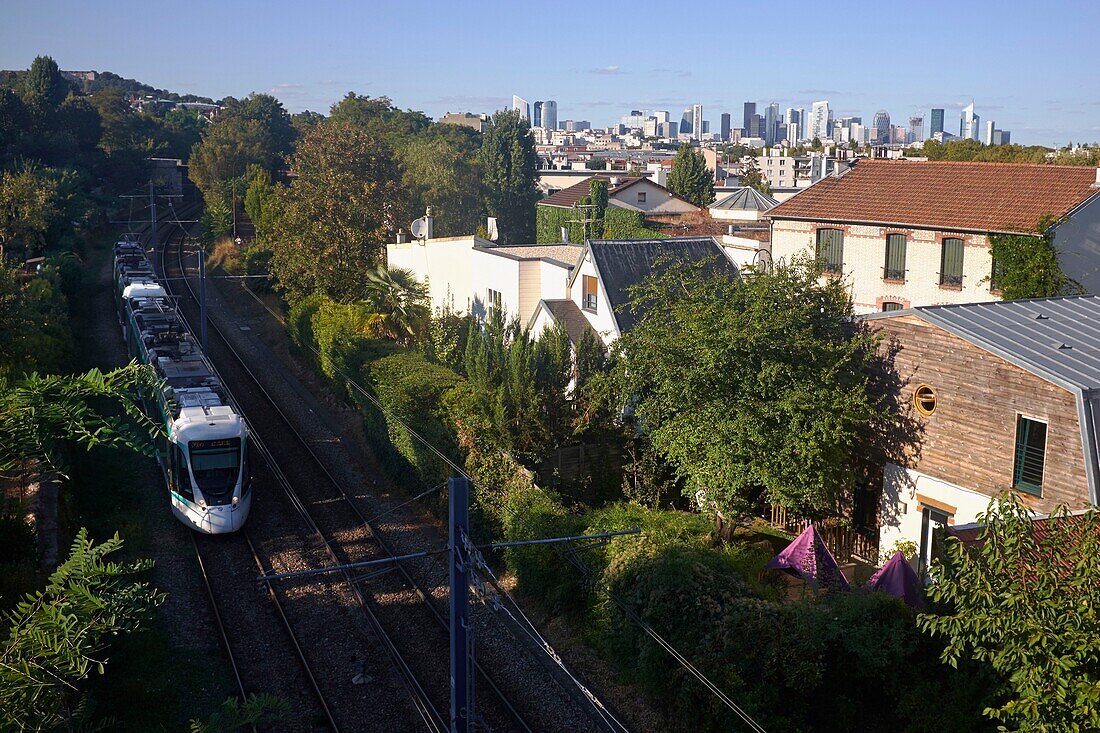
399, 304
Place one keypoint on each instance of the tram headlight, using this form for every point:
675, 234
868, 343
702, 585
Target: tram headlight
236, 500
202, 504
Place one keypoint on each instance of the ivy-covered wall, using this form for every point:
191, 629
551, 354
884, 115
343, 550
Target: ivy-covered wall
618, 224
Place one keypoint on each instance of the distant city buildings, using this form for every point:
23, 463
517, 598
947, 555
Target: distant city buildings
726, 126
519, 104
916, 129
465, 119
697, 128
968, 123
880, 128
821, 120
937, 122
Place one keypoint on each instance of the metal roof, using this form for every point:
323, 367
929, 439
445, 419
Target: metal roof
746, 198
1057, 339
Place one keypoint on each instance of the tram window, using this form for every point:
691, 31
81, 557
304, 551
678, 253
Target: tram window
180, 480
215, 464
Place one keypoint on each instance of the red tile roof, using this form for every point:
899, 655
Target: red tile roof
980, 197
567, 198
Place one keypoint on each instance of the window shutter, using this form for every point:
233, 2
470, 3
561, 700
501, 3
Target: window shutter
895, 257
951, 262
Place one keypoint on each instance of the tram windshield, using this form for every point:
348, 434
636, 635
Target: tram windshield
215, 464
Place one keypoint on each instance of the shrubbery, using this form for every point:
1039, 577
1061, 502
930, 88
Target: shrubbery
617, 224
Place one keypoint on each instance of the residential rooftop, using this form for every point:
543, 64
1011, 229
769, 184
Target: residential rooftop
567, 198
945, 195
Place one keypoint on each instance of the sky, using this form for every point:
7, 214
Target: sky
1033, 67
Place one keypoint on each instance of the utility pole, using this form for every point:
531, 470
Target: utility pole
153, 234
462, 651
202, 296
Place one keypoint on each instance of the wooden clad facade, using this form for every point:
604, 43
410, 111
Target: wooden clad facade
970, 438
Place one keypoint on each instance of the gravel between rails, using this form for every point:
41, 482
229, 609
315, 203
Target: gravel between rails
523, 677
323, 615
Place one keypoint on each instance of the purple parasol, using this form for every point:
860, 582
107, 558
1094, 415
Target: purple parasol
809, 558
897, 578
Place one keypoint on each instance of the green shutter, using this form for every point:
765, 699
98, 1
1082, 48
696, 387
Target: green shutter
830, 249
951, 262
895, 257
1028, 463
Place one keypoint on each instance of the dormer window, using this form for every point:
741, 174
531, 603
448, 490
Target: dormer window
641, 197
590, 289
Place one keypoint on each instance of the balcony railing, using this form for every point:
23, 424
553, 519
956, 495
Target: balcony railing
891, 274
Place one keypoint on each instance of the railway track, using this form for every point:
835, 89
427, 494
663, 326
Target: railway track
290, 603
402, 607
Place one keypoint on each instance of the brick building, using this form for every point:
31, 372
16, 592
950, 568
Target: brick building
905, 233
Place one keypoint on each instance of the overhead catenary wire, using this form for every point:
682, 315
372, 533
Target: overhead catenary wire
572, 559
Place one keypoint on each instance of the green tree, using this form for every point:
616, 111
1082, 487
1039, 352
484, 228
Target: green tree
399, 304
329, 227
28, 207
509, 169
751, 176
1028, 604
1026, 266
380, 119
690, 179
56, 636
440, 169
758, 388
44, 88
256, 711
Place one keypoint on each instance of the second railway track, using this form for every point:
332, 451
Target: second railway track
404, 611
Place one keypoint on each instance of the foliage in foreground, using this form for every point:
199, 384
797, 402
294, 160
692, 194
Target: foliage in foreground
57, 636
1028, 604
257, 710
40, 415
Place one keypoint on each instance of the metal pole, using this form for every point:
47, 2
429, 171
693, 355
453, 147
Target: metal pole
202, 296
462, 695
153, 234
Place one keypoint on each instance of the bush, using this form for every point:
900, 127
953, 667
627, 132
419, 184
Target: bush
617, 224
412, 391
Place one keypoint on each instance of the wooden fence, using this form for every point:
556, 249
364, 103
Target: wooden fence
846, 543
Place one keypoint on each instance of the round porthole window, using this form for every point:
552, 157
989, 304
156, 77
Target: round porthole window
924, 399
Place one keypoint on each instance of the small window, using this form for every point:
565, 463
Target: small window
895, 257
890, 305
830, 249
995, 273
493, 301
933, 523
589, 292
1031, 446
641, 197
951, 262
924, 399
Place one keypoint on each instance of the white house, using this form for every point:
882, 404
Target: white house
599, 286
473, 275
744, 204
905, 233
634, 193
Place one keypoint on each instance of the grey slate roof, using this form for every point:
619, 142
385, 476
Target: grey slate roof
746, 198
626, 262
566, 312
1057, 339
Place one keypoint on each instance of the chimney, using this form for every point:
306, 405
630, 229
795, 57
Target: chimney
429, 223
402, 238
729, 230
1096, 184
565, 235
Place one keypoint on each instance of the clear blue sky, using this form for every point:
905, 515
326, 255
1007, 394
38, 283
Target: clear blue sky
1034, 67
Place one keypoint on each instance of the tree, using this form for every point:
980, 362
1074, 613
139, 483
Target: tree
28, 206
257, 710
44, 88
329, 227
1026, 266
690, 179
751, 176
399, 304
56, 636
509, 169
380, 119
40, 414
757, 388
440, 169
1028, 604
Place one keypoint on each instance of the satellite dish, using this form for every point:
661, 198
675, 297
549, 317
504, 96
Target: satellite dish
419, 228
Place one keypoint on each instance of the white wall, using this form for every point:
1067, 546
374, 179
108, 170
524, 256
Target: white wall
901, 510
445, 264
735, 214
742, 251
603, 320
498, 273
657, 200
865, 257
